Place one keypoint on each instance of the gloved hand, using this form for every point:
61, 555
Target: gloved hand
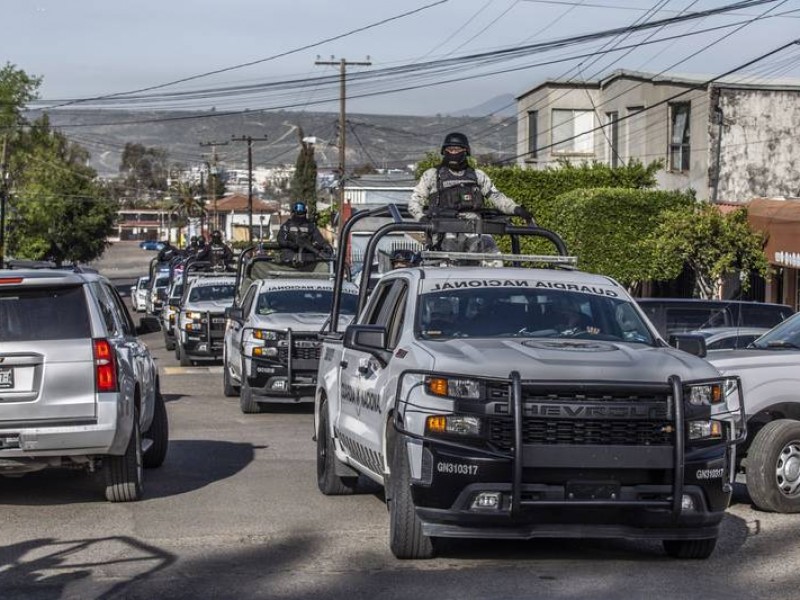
426, 218
521, 211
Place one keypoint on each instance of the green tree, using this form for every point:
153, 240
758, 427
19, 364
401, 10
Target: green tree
56, 211
304, 181
610, 230
17, 89
711, 243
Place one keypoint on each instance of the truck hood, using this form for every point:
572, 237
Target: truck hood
566, 360
746, 362
297, 322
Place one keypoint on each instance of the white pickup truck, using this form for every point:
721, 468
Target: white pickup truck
770, 373
521, 402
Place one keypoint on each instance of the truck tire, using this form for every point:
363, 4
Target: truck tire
124, 474
406, 539
228, 389
773, 467
169, 344
328, 481
246, 402
185, 360
695, 549
158, 432
177, 350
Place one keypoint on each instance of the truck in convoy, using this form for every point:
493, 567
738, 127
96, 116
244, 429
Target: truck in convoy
272, 345
527, 399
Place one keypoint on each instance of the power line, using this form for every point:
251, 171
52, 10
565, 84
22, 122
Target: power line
259, 61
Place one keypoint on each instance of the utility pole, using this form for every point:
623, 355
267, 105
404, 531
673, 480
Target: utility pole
212, 177
343, 64
249, 139
3, 198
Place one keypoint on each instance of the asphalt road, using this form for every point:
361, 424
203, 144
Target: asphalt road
235, 513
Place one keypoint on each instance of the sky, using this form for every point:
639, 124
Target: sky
88, 48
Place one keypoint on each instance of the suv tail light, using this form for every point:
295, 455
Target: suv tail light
105, 366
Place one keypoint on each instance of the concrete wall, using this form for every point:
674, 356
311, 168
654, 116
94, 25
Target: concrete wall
760, 151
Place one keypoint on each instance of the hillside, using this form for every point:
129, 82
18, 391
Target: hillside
380, 140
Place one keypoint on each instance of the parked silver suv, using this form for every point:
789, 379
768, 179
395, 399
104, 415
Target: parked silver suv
78, 389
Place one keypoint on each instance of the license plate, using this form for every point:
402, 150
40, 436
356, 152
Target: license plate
218, 320
592, 490
6, 377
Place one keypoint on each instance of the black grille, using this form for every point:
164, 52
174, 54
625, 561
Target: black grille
559, 393
580, 432
299, 353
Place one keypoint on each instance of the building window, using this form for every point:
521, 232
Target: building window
612, 136
679, 137
573, 131
533, 132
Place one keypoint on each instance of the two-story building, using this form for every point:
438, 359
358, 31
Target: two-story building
730, 140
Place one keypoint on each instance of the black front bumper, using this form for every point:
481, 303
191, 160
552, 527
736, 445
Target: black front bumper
570, 491
274, 379
544, 465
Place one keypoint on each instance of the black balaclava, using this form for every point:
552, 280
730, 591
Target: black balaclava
455, 162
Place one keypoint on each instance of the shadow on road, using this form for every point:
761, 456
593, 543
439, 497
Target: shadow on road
190, 465
49, 568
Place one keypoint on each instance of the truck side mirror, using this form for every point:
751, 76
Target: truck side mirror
368, 338
234, 313
691, 343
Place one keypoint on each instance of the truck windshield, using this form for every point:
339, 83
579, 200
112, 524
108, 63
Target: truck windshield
206, 293
529, 313
303, 301
785, 335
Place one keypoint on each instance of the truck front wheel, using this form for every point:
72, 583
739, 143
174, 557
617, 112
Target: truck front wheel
406, 539
773, 467
328, 481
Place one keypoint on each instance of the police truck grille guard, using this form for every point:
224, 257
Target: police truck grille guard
518, 426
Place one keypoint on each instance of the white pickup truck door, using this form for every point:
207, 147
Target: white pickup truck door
233, 337
366, 384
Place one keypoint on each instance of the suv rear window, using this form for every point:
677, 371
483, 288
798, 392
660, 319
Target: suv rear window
43, 314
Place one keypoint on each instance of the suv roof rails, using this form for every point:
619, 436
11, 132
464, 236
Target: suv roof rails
21, 263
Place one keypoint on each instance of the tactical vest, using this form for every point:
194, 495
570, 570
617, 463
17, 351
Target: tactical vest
457, 192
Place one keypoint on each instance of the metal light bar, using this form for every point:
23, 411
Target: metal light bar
548, 259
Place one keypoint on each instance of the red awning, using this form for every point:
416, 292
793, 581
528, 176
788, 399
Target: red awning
780, 221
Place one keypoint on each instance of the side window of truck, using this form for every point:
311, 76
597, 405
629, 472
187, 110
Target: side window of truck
378, 303
398, 314
247, 302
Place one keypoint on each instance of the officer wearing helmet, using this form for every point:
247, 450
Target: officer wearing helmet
299, 238
216, 252
456, 186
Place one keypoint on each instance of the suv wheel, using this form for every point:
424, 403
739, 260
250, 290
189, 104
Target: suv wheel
124, 473
773, 467
406, 539
690, 548
159, 434
328, 481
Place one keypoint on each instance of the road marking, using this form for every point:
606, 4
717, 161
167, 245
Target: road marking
190, 370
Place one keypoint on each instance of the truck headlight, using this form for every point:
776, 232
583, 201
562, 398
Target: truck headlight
704, 430
705, 394
455, 424
467, 389
266, 335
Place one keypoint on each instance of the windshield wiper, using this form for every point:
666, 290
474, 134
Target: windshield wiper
782, 344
